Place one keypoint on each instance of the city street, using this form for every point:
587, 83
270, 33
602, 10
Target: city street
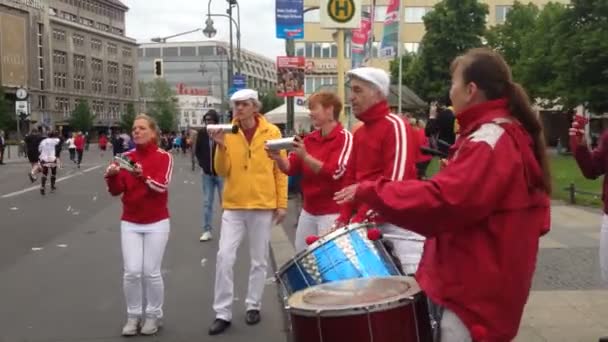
61, 269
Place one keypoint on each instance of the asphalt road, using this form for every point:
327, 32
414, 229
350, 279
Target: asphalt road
61, 268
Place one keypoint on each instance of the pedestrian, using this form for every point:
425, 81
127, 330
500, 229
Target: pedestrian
384, 146
441, 127
255, 195
117, 144
72, 147
144, 225
48, 160
423, 160
2, 146
32, 142
79, 142
211, 182
321, 158
484, 213
103, 144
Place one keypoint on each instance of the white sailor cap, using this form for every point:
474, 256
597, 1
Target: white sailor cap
243, 95
375, 76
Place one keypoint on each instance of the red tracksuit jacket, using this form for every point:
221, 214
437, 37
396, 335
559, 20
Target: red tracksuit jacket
145, 199
318, 189
594, 163
483, 216
385, 146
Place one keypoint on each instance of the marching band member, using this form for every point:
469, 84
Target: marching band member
484, 213
48, 160
255, 193
321, 159
144, 224
384, 146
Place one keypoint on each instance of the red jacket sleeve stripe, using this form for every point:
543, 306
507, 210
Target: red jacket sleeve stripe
400, 147
344, 155
162, 184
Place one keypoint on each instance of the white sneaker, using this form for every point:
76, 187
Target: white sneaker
151, 326
206, 236
130, 328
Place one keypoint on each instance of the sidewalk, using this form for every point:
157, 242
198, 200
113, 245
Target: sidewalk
567, 302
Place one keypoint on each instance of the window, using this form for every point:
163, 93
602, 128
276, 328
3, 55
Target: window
79, 62
411, 47
97, 85
97, 65
103, 27
127, 72
415, 14
87, 22
127, 52
58, 34
59, 80
325, 50
69, 16
112, 49
170, 52
312, 84
380, 14
114, 109
41, 102
127, 89
78, 40
187, 51
98, 108
501, 13
96, 44
117, 30
152, 52
113, 68
79, 82
313, 16
60, 57
62, 104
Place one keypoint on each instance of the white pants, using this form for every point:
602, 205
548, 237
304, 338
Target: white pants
142, 252
604, 249
235, 223
309, 224
452, 328
409, 251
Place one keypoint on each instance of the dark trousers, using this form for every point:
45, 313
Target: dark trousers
72, 154
45, 173
79, 153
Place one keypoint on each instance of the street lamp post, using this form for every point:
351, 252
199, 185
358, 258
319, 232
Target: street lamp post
210, 32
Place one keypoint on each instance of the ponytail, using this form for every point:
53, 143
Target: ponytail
521, 109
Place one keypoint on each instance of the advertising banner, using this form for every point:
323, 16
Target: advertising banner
290, 74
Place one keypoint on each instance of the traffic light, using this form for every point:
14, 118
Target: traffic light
158, 67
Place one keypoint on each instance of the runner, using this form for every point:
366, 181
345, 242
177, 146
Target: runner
48, 160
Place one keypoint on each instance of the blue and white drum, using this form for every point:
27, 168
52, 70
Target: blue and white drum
345, 253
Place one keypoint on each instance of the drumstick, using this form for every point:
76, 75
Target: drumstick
376, 234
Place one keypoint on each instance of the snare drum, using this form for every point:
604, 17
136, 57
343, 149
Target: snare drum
386, 309
345, 253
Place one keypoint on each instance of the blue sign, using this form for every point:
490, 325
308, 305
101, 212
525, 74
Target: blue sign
238, 82
290, 19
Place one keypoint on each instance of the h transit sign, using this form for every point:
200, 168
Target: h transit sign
344, 14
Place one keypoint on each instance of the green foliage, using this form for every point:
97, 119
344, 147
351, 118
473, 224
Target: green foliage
8, 121
164, 104
270, 101
126, 121
82, 118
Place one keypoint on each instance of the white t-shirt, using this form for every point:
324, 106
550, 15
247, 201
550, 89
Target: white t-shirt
47, 149
70, 143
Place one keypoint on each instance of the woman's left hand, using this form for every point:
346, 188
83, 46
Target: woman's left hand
137, 171
298, 147
346, 195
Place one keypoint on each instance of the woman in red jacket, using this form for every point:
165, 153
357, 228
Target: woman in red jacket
144, 224
484, 213
321, 159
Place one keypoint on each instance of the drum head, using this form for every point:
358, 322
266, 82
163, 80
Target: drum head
353, 296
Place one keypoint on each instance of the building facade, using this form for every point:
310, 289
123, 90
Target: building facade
192, 108
65, 51
201, 68
320, 49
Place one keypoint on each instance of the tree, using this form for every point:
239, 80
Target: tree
408, 59
8, 120
164, 104
270, 100
582, 55
126, 121
82, 118
508, 37
452, 27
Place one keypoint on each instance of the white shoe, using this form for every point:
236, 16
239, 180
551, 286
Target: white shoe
206, 236
151, 326
131, 327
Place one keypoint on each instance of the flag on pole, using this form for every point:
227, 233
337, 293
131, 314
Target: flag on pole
390, 37
359, 46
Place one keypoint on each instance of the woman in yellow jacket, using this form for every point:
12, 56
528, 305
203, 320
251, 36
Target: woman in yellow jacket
255, 194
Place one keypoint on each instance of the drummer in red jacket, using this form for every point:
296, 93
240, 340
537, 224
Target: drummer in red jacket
484, 213
384, 146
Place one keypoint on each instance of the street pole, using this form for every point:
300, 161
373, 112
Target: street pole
238, 35
290, 49
399, 53
231, 66
341, 70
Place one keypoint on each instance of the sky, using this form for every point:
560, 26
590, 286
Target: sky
147, 19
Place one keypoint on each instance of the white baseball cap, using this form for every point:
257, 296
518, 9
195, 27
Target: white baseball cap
375, 76
244, 95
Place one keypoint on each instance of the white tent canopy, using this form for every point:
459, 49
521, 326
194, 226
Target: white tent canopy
301, 116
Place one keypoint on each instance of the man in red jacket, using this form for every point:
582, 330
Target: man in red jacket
79, 142
384, 146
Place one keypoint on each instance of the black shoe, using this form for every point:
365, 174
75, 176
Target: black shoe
218, 326
32, 178
53, 189
252, 317
42, 191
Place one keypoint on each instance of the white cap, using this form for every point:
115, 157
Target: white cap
375, 76
244, 95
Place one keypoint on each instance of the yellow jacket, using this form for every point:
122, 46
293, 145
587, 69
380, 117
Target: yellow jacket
252, 179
